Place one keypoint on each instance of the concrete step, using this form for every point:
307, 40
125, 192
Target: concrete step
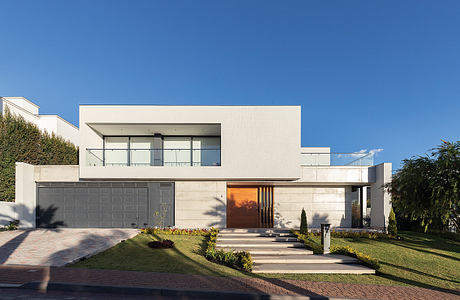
319, 268
241, 238
269, 250
303, 259
257, 244
253, 230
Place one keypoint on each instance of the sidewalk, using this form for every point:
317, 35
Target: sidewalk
24, 274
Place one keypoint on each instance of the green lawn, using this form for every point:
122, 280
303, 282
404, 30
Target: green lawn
134, 255
419, 259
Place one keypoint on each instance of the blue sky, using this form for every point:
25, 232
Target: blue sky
368, 74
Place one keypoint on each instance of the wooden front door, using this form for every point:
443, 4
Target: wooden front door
242, 207
250, 207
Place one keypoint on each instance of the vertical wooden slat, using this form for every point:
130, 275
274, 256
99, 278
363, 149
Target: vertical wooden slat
259, 207
265, 207
272, 206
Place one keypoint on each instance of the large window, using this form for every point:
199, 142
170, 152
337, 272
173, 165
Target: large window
162, 151
140, 151
176, 151
116, 149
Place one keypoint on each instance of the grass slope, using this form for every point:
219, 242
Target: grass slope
420, 259
134, 255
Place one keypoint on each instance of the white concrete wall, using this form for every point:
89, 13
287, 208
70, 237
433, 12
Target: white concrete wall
322, 204
380, 199
200, 204
258, 142
7, 212
337, 174
25, 194
58, 173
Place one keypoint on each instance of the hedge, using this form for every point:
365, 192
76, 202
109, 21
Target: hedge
238, 260
363, 258
22, 141
176, 231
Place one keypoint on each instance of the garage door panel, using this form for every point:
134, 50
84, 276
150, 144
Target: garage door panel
103, 204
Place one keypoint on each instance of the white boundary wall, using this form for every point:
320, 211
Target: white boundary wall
24, 207
7, 212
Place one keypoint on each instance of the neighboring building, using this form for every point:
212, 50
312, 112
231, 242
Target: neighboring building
201, 166
50, 123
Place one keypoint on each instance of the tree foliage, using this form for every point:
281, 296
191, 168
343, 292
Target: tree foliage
303, 222
392, 228
427, 188
22, 141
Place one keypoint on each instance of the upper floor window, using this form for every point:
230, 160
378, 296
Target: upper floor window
158, 151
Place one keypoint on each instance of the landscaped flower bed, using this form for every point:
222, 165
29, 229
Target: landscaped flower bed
176, 231
240, 260
163, 244
312, 244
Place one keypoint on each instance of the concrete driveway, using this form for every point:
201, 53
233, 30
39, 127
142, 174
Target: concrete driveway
57, 247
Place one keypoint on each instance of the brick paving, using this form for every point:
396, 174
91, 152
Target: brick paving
23, 274
56, 247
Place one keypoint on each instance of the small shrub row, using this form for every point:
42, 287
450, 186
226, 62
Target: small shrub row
363, 258
238, 260
176, 231
163, 244
308, 241
354, 234
13, 225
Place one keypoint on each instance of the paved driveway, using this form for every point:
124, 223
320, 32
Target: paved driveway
57, 247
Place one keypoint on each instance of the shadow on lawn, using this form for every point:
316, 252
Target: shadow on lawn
429, 252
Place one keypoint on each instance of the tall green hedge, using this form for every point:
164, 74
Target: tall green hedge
22, 141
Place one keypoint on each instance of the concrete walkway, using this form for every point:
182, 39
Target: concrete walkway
57, 247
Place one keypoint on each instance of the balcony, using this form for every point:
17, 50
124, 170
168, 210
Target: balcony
153, 157
337, 159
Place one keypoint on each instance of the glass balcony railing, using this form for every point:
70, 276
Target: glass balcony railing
337, 159
153, 157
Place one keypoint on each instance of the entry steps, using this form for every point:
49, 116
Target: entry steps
279, 251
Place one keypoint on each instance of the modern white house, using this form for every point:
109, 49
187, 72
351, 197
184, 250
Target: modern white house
201, 166
20, 106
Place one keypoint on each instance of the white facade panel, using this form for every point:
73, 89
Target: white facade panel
257, 142
322, 204
200, 204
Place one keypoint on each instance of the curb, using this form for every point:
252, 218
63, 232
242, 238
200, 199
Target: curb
146, 291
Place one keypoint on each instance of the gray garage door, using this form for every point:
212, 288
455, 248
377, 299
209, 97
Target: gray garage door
105, 204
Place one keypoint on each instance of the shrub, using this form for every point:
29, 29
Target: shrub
309, 242
238, 260
163, 244
176, 231
13, 225
363, 258
22, 141
392, 228
303, 222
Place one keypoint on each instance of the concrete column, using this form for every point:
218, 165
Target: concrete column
26, 198
380, 199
